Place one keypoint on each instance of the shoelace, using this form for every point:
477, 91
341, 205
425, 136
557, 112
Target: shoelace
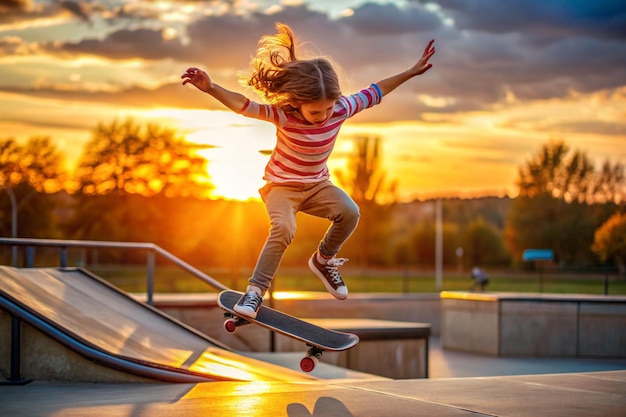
331, 267
251, 300
336, 261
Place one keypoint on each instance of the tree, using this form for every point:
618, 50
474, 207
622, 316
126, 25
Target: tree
123, 157
365, 180
422, 242
610, 184
610, 241
37, 163
33, 171
367, 184
122, 171
483, 245
570, 176
559, 192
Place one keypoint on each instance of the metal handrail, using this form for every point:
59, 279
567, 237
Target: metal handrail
151, 249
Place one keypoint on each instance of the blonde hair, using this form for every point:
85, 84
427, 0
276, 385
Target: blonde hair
285, 80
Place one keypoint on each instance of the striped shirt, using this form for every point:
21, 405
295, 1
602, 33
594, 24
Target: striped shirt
302, 149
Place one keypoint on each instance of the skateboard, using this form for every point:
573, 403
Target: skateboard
318, 339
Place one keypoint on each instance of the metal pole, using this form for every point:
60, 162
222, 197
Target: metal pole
63, 257
438, 245
30, 257
15, 349
15, 378
150, 278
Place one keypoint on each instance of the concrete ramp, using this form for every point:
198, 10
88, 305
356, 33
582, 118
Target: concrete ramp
77, 327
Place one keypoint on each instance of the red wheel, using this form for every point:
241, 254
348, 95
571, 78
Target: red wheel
230, 325
308, 364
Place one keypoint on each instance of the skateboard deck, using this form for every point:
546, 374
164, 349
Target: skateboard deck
319, 339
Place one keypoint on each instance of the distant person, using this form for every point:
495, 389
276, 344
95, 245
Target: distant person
481, 279
305, 103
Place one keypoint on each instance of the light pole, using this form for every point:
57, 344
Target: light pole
13, 221
438, 245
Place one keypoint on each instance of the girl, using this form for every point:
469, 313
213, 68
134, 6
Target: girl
305, 103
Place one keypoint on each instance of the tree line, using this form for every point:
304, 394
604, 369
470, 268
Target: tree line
148, 184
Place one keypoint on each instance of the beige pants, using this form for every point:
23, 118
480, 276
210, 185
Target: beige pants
282, 202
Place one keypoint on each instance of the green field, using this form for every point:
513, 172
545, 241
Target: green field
171, 279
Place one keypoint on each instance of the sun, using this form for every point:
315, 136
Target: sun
235, 176
232, 145
235, 169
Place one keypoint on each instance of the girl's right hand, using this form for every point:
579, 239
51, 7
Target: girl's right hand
198, 78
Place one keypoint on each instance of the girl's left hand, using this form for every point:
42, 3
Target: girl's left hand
422, 65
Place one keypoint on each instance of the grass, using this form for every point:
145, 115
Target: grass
171, 279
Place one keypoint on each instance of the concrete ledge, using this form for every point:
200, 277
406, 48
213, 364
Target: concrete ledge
412, 308
368, 329
535, 325
392, 349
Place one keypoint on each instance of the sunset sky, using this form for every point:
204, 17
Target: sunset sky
508, 76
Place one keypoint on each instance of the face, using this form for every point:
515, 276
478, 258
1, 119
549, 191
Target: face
317, 112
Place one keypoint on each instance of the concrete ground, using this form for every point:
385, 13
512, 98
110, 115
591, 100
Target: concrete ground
568, 395
460, 385
452, 364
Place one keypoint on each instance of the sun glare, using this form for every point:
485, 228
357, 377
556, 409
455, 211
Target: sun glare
235, 163
236, 176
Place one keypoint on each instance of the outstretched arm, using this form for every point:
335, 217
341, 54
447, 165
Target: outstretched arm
202, 82
389, 84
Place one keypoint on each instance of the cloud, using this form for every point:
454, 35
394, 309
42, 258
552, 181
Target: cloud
488, 52
388, 19
14, 5
13, 45
168, 95
548, 19
123, 44
78, 9
17, 10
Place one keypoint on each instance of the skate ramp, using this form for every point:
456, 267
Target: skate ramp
77, 327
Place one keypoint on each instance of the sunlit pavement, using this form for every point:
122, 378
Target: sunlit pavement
581, 394
460, 385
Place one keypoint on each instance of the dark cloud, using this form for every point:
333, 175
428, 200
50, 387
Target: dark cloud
28, 10
389, 19
225, 41
14, 4
554, 18
18, 10
78, 9
168, 95
580, 64
122, 44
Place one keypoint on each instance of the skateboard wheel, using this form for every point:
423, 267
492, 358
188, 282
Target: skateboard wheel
230, 325
308, 364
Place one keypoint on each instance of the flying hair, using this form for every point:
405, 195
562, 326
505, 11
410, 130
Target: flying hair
287, 81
